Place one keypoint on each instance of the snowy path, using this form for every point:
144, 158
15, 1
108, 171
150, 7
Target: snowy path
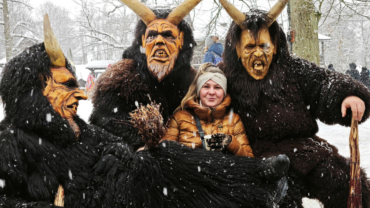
334, 134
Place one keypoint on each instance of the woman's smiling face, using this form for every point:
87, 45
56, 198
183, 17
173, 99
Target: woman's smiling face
211, 94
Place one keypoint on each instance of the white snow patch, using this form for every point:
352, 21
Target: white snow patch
48, 117
2, 183
70, 174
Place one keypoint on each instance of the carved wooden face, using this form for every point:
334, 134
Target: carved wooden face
63, 93
162, 43
256, 54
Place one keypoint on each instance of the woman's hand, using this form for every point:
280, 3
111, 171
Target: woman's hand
219, 141
357, 106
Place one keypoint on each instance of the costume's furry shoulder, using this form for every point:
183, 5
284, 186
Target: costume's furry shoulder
120, 79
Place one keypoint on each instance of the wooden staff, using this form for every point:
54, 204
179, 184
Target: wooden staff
355, 192
59, 198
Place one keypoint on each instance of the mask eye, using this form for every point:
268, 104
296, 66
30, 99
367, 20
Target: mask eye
70, 84
250, 47
151, 38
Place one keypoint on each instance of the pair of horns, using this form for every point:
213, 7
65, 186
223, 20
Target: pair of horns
239, 17
147, 15
52, 46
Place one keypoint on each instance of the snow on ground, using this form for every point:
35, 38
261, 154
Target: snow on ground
334, 134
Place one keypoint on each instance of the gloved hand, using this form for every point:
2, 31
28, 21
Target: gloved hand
105, 164
275, 167
219, 141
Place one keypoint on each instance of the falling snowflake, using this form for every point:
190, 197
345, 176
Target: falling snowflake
48, 117
2, 183
70, 174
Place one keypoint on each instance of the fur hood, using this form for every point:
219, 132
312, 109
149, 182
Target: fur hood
25, 105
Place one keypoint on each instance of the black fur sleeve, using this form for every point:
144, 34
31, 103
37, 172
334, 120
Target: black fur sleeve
12, 202
14, 179
324, 91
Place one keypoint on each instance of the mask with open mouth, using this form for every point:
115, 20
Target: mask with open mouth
162, 42
256, 53
63, 94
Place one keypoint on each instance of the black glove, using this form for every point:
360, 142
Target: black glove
219, 141
105, 164
275, 167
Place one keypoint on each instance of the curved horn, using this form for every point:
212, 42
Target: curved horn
52, 47
275, 11
234, 13
181, 11
146, 14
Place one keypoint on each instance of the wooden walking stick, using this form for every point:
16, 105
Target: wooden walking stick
59, 197
355, 192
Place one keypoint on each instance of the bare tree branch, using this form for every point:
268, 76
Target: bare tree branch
15, 1
354, 10
22, 24
27, 37
114, 45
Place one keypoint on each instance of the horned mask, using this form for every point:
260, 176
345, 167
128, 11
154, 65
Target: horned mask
162, 40
255, 53
61, 88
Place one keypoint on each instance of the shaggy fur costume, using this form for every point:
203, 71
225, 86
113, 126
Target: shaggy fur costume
39, 151
279, 114
128, 83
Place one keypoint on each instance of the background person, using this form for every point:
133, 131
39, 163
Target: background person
365, 79
331, 67
213, 50
353, 72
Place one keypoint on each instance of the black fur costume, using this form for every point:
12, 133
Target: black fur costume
129, 82
39, 151
279, 113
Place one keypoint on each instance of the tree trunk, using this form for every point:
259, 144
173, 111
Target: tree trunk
305, 24
8, 37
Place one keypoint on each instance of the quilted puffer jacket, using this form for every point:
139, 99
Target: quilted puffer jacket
182, 127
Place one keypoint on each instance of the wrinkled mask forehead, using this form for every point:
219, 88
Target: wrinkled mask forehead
161, 25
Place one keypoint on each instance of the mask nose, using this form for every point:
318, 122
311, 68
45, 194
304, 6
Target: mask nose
258, 52
80, 95
159, 40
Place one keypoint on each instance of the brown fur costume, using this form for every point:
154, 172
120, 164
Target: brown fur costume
279, 114
128, 83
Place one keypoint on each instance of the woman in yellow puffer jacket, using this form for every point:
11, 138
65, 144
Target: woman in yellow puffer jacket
207, 99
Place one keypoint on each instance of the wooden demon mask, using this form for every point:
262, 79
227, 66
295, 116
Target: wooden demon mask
255, 53
61, 88
162, 40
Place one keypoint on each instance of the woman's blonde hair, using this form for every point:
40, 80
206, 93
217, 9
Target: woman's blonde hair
192, 92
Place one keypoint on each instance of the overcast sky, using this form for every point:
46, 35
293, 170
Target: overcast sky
68, 4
